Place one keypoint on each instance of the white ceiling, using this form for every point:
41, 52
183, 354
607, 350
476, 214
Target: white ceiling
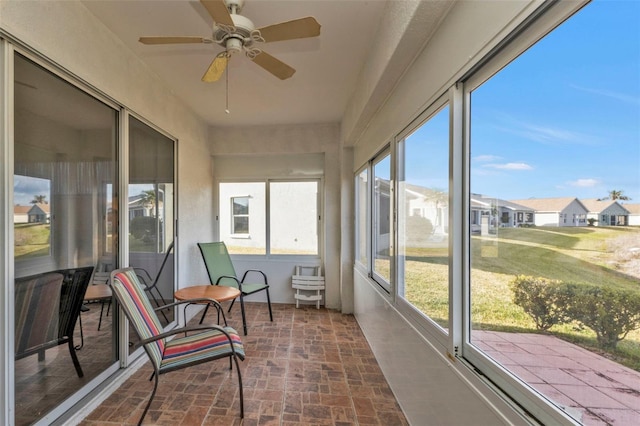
327, 66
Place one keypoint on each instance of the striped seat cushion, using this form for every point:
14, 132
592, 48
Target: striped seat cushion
134, 301
210, 344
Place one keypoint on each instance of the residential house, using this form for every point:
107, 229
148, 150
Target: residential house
430, 206
563, 211
634, 213
39, 213
95, 112
606, 212
494, 212
21, 214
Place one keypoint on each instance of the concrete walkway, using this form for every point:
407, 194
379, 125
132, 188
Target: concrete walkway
595, 390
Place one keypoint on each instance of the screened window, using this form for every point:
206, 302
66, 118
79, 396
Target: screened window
270, 217
423, 217
381, 239
551, 134
293, 217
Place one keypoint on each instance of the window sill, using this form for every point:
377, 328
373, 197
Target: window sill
240, 236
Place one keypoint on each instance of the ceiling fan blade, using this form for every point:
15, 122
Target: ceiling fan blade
216, 69
218, 11
274, 66
171, 40
298, 28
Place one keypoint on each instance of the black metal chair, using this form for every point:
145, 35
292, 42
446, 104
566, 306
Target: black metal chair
151, 284
47, 309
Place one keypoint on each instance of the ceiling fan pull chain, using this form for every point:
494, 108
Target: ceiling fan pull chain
227, 81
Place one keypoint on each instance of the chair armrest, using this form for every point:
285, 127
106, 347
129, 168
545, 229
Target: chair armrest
232, 278
264, 276
194, 301
186, 330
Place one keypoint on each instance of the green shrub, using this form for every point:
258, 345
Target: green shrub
540, 299
142, 226
418, 228
611, 313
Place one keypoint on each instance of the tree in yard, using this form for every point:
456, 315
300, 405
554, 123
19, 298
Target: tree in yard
148, 197
39, 199
616, 195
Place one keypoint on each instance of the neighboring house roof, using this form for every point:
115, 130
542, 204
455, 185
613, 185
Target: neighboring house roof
423, 192
596, 206
21, 209
632, 208
137, 201
549, 204
482, 201
44, 208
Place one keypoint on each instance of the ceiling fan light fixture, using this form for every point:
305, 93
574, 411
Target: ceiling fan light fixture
233, 45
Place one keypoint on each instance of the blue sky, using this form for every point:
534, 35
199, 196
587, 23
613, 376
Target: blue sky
562, 120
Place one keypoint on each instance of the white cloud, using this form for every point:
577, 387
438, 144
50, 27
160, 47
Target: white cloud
544, 134
509, 166
624, 97
584, 183
485, 158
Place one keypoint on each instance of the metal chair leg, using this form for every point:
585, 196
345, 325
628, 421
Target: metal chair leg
153, 394
240, 388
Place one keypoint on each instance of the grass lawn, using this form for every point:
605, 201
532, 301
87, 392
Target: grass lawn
578, 255
31, 240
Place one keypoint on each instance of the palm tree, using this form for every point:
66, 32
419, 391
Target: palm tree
148, 197
39, 199
616, 195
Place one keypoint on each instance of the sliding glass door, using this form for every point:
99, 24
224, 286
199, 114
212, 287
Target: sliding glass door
64, 219
151, 207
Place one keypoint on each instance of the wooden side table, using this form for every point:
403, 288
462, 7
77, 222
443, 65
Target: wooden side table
218, 293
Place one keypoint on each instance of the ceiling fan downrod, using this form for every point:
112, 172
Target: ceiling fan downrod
234, 6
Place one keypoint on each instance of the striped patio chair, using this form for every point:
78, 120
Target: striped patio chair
197, 344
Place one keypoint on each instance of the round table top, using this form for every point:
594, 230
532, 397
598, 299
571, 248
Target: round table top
219, 293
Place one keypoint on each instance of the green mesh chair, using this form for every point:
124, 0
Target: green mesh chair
199, 343
221, 272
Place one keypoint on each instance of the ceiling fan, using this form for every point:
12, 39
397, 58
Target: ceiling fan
236, 33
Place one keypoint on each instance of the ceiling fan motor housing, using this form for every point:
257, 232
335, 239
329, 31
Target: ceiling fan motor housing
241, 33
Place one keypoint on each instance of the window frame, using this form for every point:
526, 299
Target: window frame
365, 234
386, 285
267, 216
419, 318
